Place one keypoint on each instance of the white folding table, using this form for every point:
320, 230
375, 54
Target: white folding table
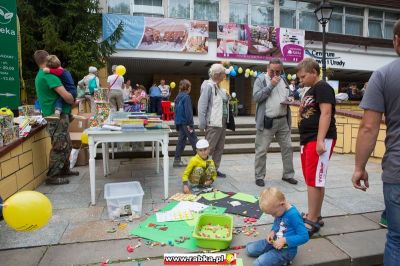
100, 136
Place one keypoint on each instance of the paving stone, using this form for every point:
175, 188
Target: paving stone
23, 257
94, 231
347, 224
373, 216
364, 248
320, 252
66, 188
242, 239
95, 252
48, 235
360, 204
75, 215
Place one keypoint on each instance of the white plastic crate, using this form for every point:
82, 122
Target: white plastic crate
123, 199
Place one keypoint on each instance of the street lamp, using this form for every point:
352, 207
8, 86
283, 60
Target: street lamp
323, 13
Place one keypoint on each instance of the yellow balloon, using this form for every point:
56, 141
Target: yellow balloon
247, 71
251, 72
289, 76
172, 85
84, 138
240, 70
27, 211
120, 70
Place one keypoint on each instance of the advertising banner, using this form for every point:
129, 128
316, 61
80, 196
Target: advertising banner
9, 72
259, 42
158, 34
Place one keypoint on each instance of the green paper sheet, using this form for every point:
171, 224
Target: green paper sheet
174, 231
210, 195
244, 197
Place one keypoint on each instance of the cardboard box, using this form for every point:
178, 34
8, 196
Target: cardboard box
79, 123
83, 157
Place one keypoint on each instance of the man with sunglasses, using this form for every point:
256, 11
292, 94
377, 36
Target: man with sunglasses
272, 121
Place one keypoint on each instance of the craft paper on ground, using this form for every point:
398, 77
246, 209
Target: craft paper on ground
245, 208
184, 197
214, 195
245, 197
191, 206
174, 215
174, 229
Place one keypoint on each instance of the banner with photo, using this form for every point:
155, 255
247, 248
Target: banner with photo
158, 34
259, 42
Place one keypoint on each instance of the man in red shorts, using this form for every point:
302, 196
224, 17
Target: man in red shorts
317, 138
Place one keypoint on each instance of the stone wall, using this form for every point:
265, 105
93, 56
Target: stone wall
25, 166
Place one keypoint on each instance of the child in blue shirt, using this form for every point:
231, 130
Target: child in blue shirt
287, 233
53, 66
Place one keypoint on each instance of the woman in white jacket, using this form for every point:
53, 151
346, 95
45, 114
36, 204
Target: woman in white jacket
213, 112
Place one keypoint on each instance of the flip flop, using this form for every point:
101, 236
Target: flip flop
320, 221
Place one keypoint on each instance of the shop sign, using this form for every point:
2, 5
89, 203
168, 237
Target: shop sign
259, 42
158, 34
9, 72
332, 59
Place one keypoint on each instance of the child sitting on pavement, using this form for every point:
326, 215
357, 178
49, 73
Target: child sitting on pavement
201, 169
287, 233
54, 67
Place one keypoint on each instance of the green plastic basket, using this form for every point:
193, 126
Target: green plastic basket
213, 243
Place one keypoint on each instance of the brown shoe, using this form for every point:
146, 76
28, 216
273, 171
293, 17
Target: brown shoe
57, 181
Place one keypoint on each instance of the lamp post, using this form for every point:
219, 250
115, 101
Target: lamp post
324, 13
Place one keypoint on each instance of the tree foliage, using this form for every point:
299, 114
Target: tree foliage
70, 29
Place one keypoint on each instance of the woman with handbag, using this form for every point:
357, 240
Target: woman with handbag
213, 112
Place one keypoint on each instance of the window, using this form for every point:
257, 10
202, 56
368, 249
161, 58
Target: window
336, 22
148, 2
119, 6
354, 21
375, 24
262, 12
206, 10
307, 18
238, 11
380, 24
148, 7
298, 15
179, 9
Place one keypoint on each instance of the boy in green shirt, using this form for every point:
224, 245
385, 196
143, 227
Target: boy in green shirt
48, 89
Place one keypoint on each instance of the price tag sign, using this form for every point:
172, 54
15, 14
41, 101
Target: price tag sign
9, 72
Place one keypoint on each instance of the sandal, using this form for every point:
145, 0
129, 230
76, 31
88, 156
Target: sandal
314, 227
320, 221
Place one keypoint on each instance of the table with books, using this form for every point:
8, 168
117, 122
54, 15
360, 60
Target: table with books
130, 129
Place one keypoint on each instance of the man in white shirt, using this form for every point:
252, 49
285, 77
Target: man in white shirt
165, 92
115, 84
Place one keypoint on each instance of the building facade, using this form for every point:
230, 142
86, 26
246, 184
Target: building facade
359, 39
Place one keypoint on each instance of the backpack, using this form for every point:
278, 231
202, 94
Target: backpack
92, 85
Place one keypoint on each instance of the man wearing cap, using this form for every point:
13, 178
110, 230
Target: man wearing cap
86, 84
273, 121
201, 169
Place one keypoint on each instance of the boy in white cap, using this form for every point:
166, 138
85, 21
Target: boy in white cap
201, 169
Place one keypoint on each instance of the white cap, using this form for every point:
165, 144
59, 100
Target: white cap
202, 144
92, 69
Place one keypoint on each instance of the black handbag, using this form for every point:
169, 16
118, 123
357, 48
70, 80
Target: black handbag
230, 123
